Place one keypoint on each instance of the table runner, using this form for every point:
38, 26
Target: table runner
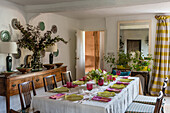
118, 104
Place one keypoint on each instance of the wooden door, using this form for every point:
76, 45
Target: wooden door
133, 45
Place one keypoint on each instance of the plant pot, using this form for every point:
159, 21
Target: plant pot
120, 67
144, 69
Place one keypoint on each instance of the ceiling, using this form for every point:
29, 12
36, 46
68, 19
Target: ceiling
82, 9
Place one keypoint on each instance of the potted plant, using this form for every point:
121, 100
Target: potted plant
141, 63
123, 60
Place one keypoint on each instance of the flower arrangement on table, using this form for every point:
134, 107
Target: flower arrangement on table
33, 41
99, 74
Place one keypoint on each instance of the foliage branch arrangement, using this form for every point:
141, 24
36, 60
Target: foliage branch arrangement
32, 39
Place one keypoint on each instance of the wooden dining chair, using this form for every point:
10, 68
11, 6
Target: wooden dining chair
25, 96
146, 108
66, 77
149, 99
50, 82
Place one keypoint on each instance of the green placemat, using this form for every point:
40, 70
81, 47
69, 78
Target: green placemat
74, 97
125, 80
106, 94
61, 89
118, 86
78, 82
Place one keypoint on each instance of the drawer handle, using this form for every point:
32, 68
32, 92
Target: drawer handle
37, 80
13, 85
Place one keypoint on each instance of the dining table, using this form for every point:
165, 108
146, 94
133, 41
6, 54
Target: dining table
118, 103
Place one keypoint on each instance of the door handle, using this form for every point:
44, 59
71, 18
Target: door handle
76, 58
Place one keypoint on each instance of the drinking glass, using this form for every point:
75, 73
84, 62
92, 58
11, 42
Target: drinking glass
84, 78
114, 78
69, 84
118, 72
89, 86
100, 82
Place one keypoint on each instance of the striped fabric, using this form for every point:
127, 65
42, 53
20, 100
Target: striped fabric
145, 99
161, 68
140, 108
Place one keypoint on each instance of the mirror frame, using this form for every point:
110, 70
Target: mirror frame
135, 21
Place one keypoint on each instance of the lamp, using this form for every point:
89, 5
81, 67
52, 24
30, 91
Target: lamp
51, 49
7, 48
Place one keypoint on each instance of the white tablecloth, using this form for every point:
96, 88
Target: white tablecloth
118, 104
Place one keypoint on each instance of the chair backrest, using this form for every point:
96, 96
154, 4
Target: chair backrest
25, 93
159, 103
163, 88
50, 82
166, 80
66, 76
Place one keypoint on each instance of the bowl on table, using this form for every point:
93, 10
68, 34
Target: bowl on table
23, 70
58, 64
49, 66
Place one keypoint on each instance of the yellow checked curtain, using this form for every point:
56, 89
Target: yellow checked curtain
161, 68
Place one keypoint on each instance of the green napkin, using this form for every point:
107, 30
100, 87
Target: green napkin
78, 82
118, 86
125, 80
61, 89
74, 97
106, 94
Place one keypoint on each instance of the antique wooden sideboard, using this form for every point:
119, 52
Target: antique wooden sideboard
9, 84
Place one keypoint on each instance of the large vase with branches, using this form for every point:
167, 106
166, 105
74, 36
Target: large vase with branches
35, 42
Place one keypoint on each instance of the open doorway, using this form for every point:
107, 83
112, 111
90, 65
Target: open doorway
94, 50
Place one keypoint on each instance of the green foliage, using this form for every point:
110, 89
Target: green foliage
32, 39
110, 59
140, 62
124, 59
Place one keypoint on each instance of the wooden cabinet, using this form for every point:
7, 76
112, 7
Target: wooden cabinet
9, 85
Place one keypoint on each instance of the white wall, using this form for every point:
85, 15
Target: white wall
8, 12
96, 24
66, 29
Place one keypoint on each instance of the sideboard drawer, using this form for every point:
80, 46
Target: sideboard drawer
38, 81
14, 83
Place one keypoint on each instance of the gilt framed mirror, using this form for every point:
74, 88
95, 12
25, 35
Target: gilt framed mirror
134, 36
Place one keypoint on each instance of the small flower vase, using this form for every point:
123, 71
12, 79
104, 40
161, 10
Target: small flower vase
36, 64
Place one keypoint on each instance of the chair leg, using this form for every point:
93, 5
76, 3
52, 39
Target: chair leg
13, 111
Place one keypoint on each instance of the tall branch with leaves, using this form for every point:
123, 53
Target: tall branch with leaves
32, 39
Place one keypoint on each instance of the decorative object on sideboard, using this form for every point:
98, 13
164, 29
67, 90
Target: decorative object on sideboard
23, 70
7, 48
49, 66
56, 53
41, 25
14, 22
27, 61
51, 49
54, 29
18, 55
35, 42
5, 36
58, 64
